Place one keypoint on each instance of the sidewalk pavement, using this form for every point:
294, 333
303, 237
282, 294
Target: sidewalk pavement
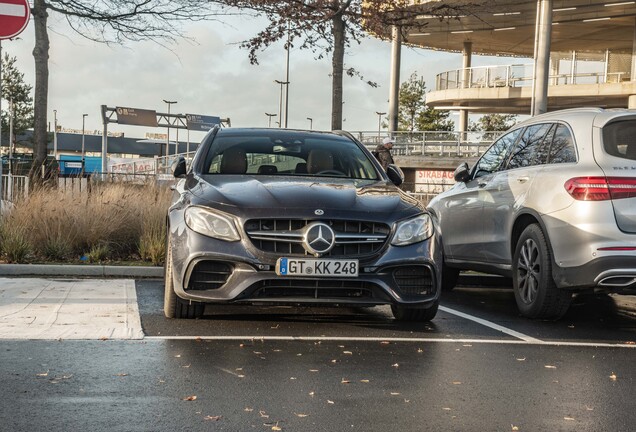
34, 306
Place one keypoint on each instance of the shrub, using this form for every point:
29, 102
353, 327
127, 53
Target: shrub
111, 220
14, 244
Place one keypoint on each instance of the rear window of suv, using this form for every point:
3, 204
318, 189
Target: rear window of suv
619, 139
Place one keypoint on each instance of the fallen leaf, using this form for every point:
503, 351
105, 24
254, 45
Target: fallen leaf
263, 414
311, 393
178, 356
43, 374
521, 359
292, 378
257, 352
630, 343
344, 381
302, 415
385, 343
568, 418
514, 428
187, 366
571, 326
420, 350
121, 374
446, 409
613, 376
589, 408
276, 326
550, 367
394, 394
103, 338
366, 381
330, 402
457, 382
190, 398
467, 345
248, 409
395, 365
347, 352
198, 339
313, 370
213, 418
276, 428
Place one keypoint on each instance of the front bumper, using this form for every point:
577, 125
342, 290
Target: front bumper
214, 271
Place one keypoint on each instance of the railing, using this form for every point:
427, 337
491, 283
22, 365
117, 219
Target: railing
429, 143
433, 143
518, 75
14, 187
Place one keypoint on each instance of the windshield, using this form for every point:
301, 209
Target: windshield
288, 154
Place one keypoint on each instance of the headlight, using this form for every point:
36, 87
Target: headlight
413, 231
212, 224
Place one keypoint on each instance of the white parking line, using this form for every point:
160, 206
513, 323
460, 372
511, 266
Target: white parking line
492, 325
531, 341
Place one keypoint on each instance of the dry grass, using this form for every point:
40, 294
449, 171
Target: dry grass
108, 222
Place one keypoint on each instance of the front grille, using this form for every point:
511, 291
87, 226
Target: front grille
414, 280
285, 236
313, 289
209, 275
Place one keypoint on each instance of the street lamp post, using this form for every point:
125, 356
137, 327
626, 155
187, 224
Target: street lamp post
280, 100
380, 114
311, 123
269, 119
54, 134
83, 158
168, 138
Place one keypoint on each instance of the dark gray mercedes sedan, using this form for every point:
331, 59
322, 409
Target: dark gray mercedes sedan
274, 216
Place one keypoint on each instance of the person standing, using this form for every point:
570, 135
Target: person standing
383, 151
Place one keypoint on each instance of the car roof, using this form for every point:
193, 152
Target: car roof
586, 116
283, 133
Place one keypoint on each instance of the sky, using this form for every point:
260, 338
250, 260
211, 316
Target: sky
213, 76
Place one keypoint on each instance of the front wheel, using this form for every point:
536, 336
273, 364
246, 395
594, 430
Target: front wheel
536, 293
405, 313
173, 306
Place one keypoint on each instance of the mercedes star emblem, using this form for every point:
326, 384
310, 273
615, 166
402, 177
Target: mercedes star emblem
319, 238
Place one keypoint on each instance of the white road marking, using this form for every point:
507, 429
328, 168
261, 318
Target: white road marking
12, 10
492, 325
531, 341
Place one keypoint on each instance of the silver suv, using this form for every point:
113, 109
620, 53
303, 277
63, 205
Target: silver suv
552, 204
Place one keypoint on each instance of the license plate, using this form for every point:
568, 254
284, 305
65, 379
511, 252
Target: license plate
316, 267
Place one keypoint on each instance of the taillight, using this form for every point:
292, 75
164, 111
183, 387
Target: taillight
601, 188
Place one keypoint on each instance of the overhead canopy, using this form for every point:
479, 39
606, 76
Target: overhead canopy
507, 27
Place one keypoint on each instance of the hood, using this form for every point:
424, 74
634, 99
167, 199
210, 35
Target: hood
269, 196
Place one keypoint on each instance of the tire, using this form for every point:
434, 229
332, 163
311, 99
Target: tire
536, 293
405, 313
173, 306
450, 276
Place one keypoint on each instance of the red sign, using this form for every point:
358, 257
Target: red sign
14, 17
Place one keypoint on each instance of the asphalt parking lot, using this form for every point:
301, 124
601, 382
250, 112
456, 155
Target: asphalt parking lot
477, 366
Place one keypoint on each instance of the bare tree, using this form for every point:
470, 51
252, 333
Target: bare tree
108, 21
328, 27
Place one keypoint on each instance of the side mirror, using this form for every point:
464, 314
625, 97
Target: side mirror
462, 173
395, 174
179, 167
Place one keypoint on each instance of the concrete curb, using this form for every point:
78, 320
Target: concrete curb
80, 270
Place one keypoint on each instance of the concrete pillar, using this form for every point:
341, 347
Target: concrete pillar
467, 55
542, 57
394, 90
633, 71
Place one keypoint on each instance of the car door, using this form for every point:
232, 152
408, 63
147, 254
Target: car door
507, 190
462, 229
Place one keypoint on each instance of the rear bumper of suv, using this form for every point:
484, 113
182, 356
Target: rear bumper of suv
612, 273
